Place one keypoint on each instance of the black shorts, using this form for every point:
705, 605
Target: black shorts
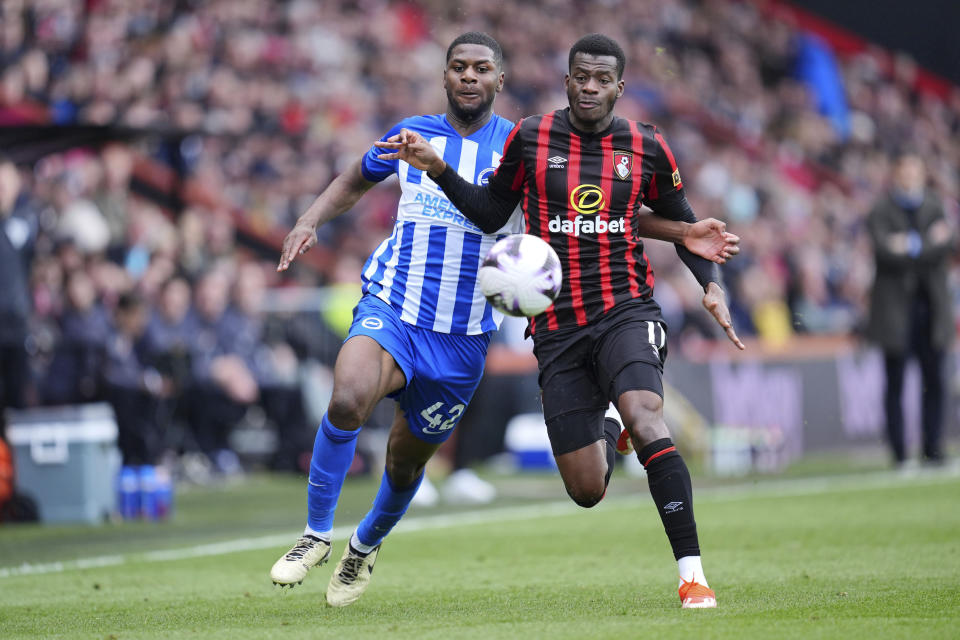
584, 369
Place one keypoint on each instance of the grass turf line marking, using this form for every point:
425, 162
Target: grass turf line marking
731, 493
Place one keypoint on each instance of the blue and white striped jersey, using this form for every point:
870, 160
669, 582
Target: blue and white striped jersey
427, 268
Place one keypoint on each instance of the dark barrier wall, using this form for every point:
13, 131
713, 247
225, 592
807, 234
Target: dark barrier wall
927, 29
815, 404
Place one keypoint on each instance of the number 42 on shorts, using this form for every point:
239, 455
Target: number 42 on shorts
438, 420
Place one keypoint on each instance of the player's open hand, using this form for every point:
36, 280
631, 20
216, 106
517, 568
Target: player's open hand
414, 149
300, 239
715, 301
708, 238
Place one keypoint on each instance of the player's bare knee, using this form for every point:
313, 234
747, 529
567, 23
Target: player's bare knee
348, 410
403, 473
644, 418
642, 404
586, 495
585, 499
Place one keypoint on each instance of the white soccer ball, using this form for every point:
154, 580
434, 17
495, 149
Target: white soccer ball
521, 275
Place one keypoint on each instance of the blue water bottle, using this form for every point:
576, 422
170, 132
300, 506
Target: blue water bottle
164, 493
148, 493
128, 493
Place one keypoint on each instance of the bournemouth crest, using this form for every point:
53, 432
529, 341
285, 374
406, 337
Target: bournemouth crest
623, 164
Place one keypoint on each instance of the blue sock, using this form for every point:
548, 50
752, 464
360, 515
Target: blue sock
332, 455
388, 507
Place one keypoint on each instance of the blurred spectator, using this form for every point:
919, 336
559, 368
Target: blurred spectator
18, 229
222, 386
79, 218
112, 194
273, 364
168, 332
167, 342
910, 305
73, 375
132, 387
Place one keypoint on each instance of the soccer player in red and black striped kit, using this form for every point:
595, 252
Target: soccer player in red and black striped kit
580, 175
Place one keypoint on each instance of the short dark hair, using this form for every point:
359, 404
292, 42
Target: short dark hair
903, 153
130, 301
597, 44
481, 38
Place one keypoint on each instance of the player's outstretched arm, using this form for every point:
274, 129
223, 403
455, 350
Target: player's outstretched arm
715, 301
707, 238
486, 206
412, 148
337, 198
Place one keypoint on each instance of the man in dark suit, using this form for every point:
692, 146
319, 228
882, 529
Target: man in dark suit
910, 305
18, 230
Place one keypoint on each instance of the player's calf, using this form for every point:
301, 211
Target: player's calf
672, 492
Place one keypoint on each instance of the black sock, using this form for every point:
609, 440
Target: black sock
672, 492
611, 433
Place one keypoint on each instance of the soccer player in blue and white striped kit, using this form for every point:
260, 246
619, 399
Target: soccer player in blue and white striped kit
421, 330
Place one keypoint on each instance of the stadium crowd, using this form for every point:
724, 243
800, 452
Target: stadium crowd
162, 320
265, 101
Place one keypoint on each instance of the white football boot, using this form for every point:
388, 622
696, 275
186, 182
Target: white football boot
351, 577
293, 566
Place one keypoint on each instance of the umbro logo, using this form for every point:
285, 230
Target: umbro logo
556, 162
673, 507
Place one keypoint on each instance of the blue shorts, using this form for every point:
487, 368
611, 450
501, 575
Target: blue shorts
442, 369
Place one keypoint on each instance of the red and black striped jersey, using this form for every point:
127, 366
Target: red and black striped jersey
581, 192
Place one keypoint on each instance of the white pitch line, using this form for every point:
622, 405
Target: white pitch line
761, 488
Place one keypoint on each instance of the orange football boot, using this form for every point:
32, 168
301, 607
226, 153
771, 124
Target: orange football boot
624, 443
694, 595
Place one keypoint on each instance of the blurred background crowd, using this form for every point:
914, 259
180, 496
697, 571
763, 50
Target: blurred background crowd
147, 259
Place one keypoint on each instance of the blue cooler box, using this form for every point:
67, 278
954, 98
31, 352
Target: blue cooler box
67, 460
526, 438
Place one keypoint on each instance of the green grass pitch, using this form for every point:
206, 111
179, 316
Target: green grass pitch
870, 555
